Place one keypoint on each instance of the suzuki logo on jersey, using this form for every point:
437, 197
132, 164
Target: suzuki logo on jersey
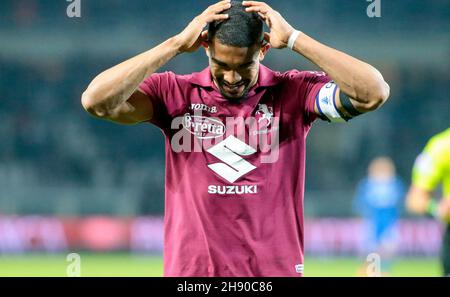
243, 189
229, 152
203, 127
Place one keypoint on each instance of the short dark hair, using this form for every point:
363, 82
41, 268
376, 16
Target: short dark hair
240, 29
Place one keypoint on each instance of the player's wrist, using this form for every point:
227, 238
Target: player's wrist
293, 36
176, 44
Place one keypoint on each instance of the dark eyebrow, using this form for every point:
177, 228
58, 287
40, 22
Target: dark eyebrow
226, 65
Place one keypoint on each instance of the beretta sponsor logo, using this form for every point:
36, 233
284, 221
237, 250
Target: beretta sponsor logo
203, 127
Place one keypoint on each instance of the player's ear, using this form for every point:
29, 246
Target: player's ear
205, 42
204, 38
265, 46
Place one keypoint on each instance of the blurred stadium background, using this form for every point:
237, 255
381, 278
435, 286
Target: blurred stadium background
71, 183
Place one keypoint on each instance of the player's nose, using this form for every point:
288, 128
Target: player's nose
232, 77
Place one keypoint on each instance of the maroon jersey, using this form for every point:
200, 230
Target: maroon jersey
235, 172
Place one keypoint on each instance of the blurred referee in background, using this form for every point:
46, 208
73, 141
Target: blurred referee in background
432, 167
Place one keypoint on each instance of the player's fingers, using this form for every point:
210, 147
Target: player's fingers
223, 1
220, 6
219, 9
251, 3
216, 17
220, 3
259, 9
220, 16
213, 12
263, 16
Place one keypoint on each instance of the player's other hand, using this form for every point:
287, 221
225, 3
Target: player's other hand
190, 39
280, 30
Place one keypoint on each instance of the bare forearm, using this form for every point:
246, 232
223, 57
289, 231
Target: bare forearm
115, 85
357, 79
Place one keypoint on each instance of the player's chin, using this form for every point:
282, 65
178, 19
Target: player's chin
232, 96
235, 95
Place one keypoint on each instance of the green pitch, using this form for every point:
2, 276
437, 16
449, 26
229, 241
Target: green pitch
135, 265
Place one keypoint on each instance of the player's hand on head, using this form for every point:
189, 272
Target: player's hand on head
190, 39
280, 30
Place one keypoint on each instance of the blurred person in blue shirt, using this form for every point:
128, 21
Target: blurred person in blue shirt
378, 200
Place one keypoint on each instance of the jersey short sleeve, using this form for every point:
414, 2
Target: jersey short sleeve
309, 84
160, 88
